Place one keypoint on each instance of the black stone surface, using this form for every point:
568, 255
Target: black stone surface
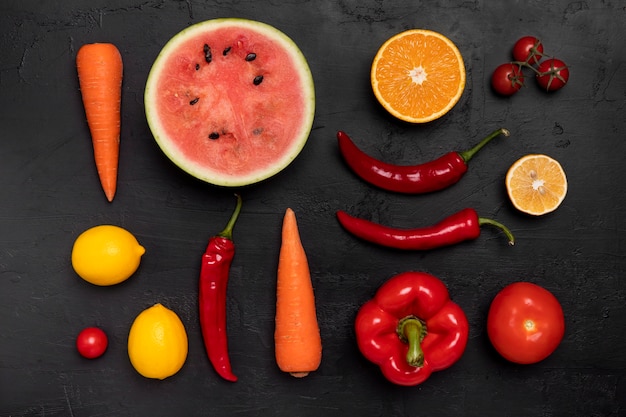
50, 193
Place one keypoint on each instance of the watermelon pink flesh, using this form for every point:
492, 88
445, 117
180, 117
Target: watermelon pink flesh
220, 118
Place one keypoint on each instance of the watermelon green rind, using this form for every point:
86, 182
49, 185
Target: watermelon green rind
276, 108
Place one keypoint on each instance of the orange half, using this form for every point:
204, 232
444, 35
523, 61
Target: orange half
418, 75
536, 184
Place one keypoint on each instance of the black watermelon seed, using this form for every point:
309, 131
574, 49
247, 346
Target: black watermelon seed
226, 51
251, 57
257, 80
257, 131
194, 101
214, 135
197, 67
208, 57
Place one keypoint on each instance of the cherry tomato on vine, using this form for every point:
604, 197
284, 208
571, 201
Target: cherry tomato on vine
525, 323
528, 49
507, 79
92, 342
552, 74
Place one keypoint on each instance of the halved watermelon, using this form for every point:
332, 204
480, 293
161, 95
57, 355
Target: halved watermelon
230, 101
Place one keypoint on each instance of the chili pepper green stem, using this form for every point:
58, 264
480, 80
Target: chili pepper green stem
468, 154
227, 233
505, 230
412, 330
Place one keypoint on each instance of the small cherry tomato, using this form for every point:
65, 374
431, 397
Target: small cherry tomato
528, 49
525, 323
92, 342
507, 79
552, 74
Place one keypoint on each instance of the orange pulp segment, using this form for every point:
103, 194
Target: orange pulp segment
536, 184
418, 75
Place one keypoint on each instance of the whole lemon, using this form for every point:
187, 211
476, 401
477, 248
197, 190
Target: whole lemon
157, 343
106, 255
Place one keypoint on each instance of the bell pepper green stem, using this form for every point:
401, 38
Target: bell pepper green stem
412, 331
505, 230
468, 154
227, 233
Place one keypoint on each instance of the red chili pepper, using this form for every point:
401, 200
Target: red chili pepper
459, 227
214, 274
411, 328
410, 179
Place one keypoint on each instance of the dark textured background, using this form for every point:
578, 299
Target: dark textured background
49, 193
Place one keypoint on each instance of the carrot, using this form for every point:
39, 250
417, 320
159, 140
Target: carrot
297, 336
99, 68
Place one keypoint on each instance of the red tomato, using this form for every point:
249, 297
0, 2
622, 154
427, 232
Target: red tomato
92, 342
507, 79
552, 74
525, 323
528, 49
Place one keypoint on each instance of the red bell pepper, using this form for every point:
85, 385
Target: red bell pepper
411, 328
